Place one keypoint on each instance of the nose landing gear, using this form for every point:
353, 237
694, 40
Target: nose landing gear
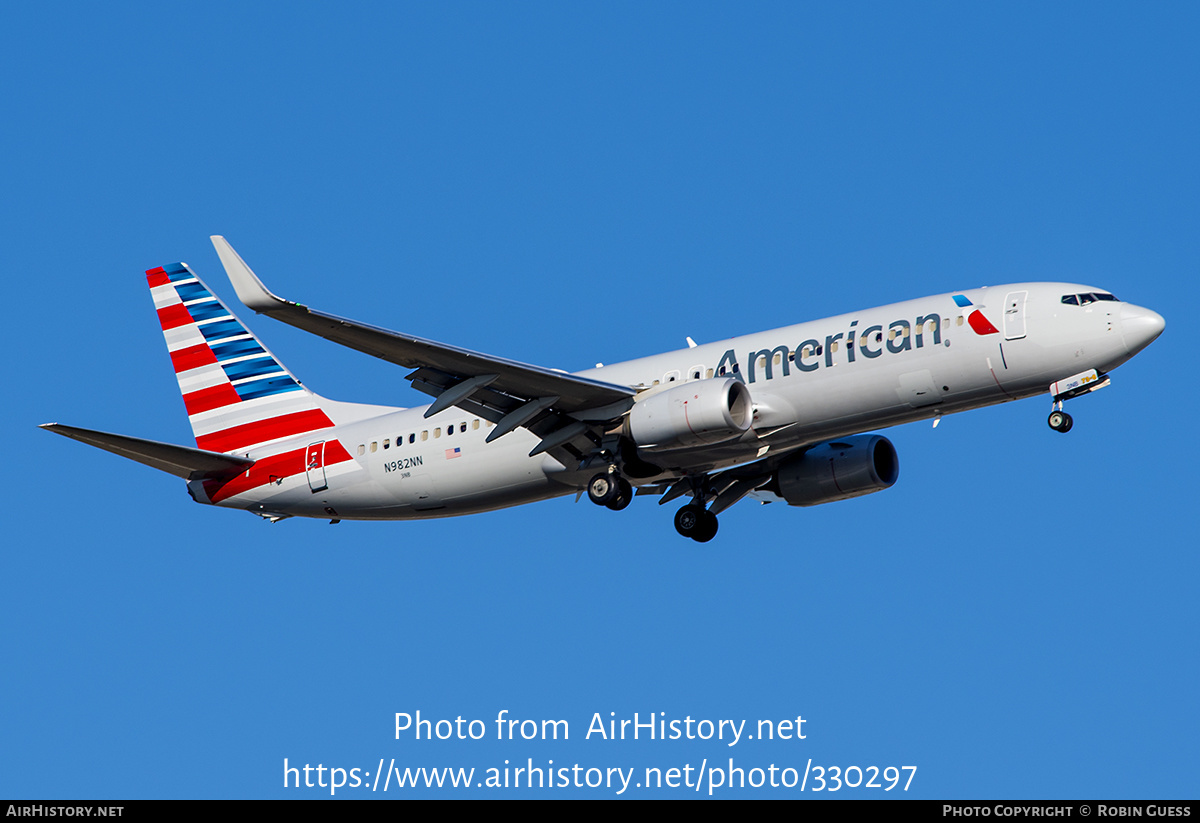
1060, 421
1083, 383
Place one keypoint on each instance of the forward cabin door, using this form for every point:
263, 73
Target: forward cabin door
314, 465
1014, 315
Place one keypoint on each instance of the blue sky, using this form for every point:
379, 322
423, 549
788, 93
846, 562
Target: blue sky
566, 184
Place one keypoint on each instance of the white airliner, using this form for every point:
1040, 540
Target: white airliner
778, 415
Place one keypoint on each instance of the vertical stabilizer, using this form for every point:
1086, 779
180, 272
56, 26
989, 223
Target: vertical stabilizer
238, 396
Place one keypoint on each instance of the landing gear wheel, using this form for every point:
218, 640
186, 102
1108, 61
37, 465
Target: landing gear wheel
687, 520
708, 527
1060, 421
604, 488
624, 495
696, 522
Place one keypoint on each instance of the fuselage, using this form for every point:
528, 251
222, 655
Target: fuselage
810, 382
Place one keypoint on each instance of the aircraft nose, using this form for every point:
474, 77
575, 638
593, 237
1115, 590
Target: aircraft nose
1140, 327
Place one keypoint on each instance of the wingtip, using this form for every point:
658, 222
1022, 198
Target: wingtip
249, 288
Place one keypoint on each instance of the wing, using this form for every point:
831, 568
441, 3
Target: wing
558, 407
728, 487
181, 461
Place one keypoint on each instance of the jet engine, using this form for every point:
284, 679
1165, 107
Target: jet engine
697, 413
838, 470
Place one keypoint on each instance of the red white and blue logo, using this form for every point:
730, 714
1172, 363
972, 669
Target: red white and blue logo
979, 323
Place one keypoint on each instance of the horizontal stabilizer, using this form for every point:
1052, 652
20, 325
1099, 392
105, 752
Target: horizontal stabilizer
181, 461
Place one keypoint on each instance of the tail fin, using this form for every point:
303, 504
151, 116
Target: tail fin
236, 393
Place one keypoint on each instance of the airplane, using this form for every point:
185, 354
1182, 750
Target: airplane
780, 415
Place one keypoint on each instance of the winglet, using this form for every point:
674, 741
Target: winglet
249, 288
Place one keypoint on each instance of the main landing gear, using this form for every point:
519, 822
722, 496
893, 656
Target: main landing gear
696, 522
611, 490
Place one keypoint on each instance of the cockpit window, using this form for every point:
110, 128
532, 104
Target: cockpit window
1085, 299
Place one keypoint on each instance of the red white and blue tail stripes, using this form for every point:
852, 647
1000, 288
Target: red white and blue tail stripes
237, 394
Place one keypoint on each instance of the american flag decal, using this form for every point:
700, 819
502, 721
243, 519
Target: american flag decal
453, 453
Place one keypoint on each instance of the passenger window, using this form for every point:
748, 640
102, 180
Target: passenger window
387, 444
710, 374
412, 438
361, 449
958, 322
437, 432
475, 424
374, 446
450, 430
425, 435
462, 427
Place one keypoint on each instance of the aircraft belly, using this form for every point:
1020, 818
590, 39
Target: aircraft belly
470, 478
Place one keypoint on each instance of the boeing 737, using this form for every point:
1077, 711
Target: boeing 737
778, 415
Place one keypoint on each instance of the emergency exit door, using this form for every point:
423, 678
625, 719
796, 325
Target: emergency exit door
314, 465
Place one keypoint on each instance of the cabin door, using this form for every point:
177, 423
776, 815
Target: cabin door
314, 466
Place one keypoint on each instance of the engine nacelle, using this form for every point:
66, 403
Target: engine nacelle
838, 470
697, 413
